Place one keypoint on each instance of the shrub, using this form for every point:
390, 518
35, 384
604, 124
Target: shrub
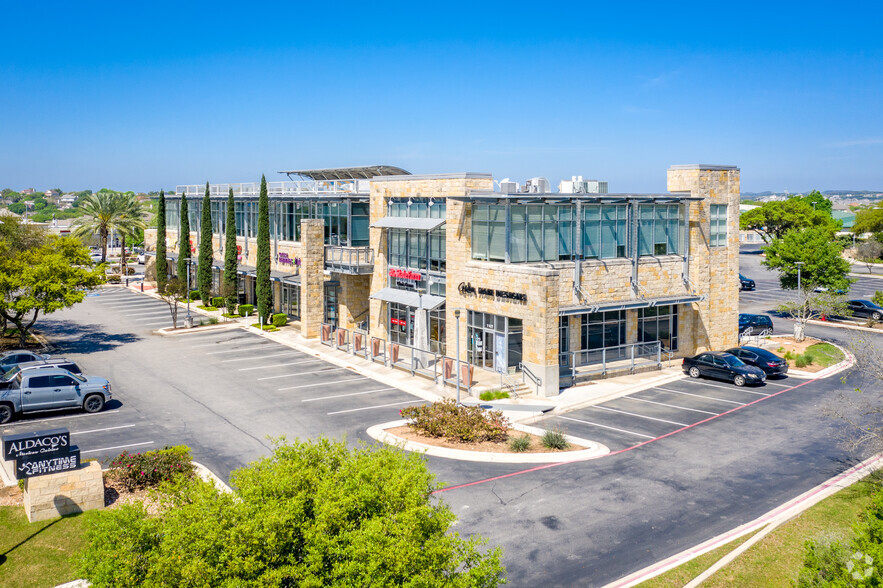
246, 309
203, 307
465, 424
141, 470
519, 444
781, 349
113, 279
280, 319
267, 327
212, 320
218, 301
493, 395
554, 439
789, 355
231, 314
877, 298
194, 295
803, 360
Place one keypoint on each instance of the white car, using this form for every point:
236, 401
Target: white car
142, 258
95, 257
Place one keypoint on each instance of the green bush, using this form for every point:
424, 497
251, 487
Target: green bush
231, 314
246, 309
113, 279
464, 424
267, 327
877, 298
202, 307
493, 395
218, 301
519, 444
213, 320
194, 295
280, 319
141, 470
554, 439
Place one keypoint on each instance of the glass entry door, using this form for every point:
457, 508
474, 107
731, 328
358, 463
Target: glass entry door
331, 312
494, 342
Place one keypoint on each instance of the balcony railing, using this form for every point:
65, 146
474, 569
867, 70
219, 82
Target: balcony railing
280, 188
588, 362
349, 260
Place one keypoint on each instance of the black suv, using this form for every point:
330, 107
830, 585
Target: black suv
754, 324
746, 283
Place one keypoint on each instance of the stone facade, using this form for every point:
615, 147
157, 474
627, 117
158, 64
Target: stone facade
47, 497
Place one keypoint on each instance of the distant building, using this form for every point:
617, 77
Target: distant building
52, 193
27, 191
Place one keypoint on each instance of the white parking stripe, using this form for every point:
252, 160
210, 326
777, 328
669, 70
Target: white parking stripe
269, 367
165, 322
152, 318
323, 384
372, 407
700, 396
641, 416
294, 375
152, 312
256, 347
99, 430
72, 416
118, 447
732, 388
768, 383
606, 427
671, 405
350, 394
222, 342
262, 357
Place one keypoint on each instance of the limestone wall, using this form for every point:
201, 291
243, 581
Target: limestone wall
47, 497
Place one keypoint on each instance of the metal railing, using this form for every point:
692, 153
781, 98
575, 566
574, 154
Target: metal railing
594, 361
279, 188
359, 260
506, 382
526, 373
749, 337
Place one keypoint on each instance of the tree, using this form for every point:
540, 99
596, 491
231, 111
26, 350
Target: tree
231, 261
818, 202
869, 252
810, 305
822, 263
774, 219
311, 514
173, 290
868, 220
184, 242
18, 207
263, 287
204, 270
43, 279
101, 214
162, 264
128, 223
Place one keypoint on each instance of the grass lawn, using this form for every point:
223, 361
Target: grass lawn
776, 559
35, 555
825, 354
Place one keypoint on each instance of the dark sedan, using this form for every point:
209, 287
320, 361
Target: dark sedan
769, 362
723, 366
746, 283
866, 309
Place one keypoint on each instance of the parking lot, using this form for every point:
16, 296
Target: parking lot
637, 418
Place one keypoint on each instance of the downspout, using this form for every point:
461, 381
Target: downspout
686, 272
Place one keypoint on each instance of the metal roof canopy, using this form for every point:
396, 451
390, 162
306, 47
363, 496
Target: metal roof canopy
409, 298
407, 222
365, 172
626, 305
559, 198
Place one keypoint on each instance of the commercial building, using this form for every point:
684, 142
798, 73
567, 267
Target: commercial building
551, 285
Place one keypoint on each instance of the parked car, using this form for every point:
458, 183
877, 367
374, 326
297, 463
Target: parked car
865, 308
754, 324
60, 362
722, 366
746, 283
769, 362
142, 258
10, 359
827, 289
50, 389
95, 257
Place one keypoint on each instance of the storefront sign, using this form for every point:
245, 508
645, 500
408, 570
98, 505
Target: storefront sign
406, 275
466, 288
285, 260
43, 465
399, 322
42, 443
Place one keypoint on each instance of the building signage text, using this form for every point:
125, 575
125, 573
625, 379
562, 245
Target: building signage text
406, 275
398, 321
28, 467
466, 288
284, 259
37, 443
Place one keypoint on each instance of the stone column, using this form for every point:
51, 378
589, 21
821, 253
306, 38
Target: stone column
312, 280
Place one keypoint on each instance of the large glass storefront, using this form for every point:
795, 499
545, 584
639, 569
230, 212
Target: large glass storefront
402, 321
601, 330
494, 342
290, 300
659, 323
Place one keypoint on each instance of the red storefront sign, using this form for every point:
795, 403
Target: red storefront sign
399, 322
406, 275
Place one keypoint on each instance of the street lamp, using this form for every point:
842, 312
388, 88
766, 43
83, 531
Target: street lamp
188, 320
798, 264
457, 316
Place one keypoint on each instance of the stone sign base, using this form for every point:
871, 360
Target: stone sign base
47, 497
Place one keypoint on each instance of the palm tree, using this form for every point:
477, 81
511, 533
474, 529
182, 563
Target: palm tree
130, 219
101, 214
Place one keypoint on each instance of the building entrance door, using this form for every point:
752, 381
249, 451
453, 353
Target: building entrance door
494, 342
331, 311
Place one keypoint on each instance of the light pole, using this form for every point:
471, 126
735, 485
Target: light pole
457, 316
798, 264
188, 320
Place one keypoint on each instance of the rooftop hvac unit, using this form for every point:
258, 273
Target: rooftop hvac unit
508, 187
537, 186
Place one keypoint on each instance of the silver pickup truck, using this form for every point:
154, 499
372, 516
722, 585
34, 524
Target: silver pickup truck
50, 389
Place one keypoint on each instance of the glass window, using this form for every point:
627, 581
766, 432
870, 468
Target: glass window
518, 238
659, 229
497, 233
566, 227
718, 232
359, 236
602, 329
480, 214
659, 323
534, 232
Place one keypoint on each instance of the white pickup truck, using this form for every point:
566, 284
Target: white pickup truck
52, 389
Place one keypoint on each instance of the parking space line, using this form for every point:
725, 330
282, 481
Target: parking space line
671, 405
350, 394
294, 375
152, 318
768, 383
606, 427
250, 348
700, 396
732, 388
292, 352
70, 416
221, 342
323, 383
371, 407
118, 447
641, 416
100, 430
269, 367
167, 322
157, 311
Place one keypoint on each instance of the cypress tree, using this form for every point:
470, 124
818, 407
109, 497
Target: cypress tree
184, 242
204, 270
162, 264
263, 287
231, 292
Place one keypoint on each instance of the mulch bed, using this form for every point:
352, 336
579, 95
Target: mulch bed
115, 495
796, 348
536, 445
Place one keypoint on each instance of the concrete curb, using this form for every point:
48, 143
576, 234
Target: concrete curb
773, 518
839, 325
209, 476
379, 433
662, 379
828, 371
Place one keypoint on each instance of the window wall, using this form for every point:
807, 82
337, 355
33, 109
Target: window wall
602, 329
418, 249
659, 323
659, 229
718, 232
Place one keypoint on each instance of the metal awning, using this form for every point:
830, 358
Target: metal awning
407, 222
285, 277
248, 270
409, 298
365, 172
627, 305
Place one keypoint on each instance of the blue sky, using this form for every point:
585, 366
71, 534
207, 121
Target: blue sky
97, 94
